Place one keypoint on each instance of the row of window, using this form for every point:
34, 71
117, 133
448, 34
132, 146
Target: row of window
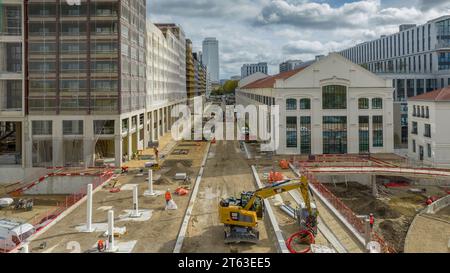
304, 104
421, 111
334, 97
72, 127
377, 103
406, 88
415, 129
413, 64
259, 98
334, 134
410, 41
429, 150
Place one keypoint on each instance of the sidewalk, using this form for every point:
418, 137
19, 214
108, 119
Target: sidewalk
166, 144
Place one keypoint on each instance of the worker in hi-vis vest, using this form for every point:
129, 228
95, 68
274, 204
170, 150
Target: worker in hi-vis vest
371, 220
168, 196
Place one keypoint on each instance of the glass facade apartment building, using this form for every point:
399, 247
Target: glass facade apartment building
11, 83
85, 59
416, 59
78, 83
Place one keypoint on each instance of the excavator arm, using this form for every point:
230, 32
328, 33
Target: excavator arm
275, 189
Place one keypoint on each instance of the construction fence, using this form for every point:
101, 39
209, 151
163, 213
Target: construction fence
356, 222
43, 220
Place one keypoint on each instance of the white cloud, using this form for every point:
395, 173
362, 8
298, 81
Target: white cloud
273, 31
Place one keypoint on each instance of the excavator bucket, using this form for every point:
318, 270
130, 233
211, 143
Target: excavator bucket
236, 235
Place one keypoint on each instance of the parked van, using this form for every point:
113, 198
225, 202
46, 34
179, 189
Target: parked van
13, 233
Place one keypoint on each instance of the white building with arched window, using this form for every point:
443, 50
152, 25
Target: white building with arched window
332, 106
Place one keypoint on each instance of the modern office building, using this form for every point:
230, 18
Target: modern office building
332, 106
249, 69
290, 65
429, 134
416, 59
210, 58
12, 112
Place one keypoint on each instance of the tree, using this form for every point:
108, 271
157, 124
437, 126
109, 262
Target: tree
230, 86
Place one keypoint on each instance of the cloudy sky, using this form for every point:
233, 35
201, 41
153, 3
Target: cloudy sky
276, 30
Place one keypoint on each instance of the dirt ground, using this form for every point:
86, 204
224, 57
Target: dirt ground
226, 174
43, 206
157, 235
393, 212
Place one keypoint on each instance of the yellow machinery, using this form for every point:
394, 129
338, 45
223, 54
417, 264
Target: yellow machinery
240, 216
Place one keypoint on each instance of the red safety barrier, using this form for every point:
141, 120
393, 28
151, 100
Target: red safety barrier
344, 210
46, 218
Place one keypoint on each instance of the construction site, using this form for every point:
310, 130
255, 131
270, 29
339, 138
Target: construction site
277, 204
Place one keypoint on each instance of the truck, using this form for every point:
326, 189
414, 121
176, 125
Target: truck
13, 233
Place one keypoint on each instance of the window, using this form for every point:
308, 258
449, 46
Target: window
364, 134
414, 130
377, 103
305, 133
427, 112
334, 135
73, 127
42, 127
429, 150
291, 132
334, 97
427, 130
104, 127
291, 104
363, 103
305, 104
378, 131
414, 148
414, 111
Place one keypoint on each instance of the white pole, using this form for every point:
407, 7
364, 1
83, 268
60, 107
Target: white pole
25, 249
111, 247
89, 209
150, 182
135, 212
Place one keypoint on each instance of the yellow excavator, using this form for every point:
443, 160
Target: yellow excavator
240, 215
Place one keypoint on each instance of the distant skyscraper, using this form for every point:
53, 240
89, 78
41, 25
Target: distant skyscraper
250, 69
210, 58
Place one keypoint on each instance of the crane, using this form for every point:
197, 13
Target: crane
240, 215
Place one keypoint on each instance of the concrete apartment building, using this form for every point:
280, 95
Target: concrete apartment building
429, 137
416, 59
290, 65
79, 92
12, 86
85, 81
332, 106
249, 69
196, 75
166, 76
210, 58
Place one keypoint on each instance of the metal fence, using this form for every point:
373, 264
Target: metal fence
46, 218
356, 222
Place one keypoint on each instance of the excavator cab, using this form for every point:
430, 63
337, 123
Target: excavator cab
258, 204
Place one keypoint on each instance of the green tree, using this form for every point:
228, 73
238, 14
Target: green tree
230, 86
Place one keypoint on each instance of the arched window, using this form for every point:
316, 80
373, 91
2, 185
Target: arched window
377, 103
291, 104
334, 97
363, 103
305, 104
